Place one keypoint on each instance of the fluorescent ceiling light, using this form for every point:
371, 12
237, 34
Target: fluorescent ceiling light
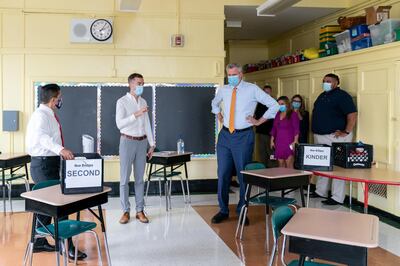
271, 7
233, 24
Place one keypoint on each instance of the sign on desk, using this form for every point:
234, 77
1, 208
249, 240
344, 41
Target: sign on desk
317, 156
83, 173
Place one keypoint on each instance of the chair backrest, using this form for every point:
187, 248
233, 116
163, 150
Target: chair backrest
254, 166
47, 183
279, 219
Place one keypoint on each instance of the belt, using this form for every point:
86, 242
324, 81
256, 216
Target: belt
44, 158
134, 138
238, 130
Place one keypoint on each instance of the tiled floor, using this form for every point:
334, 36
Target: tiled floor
182, 236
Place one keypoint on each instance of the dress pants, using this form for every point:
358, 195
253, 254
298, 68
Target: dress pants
234, 151
44, 169
132, 152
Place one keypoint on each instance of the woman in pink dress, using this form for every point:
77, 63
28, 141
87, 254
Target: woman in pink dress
285, 133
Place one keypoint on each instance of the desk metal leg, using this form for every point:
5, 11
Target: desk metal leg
243, 220
166, 188
56, 240
366, 188
103, 229
308, 195
351, 193
267, 218
303, 202
27, 176
187, 184
4, 191
302, 260
148, 181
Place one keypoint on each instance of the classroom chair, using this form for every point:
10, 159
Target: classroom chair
280, 217
66, 229
273, 202
9, 178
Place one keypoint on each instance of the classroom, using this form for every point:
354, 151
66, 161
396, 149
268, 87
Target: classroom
213, 132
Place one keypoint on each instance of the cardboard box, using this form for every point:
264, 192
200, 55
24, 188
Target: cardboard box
85, 174
377, 14
317, 157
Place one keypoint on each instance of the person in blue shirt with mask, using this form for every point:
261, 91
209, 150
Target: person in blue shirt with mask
236, 138
333, 119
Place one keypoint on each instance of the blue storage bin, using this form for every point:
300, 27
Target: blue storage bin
361, 44
358, 29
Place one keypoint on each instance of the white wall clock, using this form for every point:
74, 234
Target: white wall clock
101, 30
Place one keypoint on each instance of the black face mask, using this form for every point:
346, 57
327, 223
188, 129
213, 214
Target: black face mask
59, 103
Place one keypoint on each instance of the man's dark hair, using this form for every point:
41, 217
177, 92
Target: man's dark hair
133, 76
334, 76
47, 92
268, 87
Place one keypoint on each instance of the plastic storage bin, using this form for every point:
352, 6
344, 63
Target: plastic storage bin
361, 44
352, 154
358, 30
384, 32
343, 41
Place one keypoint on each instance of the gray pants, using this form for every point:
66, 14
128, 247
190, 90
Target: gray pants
338, 187
264, 151
132, 152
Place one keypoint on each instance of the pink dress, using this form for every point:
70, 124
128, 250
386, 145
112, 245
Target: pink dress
284, 132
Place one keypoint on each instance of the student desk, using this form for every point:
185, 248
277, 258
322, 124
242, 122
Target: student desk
337, 236
172, 160
51, 202
273, 179
366, 176
12, 162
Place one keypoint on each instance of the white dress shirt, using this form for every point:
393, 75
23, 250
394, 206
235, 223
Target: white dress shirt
43, 136
126, 121
247, 97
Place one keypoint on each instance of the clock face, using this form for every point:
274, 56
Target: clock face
101, 30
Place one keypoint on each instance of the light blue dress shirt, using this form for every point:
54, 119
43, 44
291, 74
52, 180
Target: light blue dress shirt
247, 97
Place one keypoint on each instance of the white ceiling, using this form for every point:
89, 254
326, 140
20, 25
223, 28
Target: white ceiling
264, 28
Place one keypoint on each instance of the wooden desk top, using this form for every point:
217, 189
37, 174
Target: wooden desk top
347, 228
53, 195
272, 173
9, 156
168, 154
368, 175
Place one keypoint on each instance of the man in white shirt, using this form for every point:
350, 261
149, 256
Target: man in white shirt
45, 145
236, 139
133, 121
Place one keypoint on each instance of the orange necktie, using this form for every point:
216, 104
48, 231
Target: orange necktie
232, 111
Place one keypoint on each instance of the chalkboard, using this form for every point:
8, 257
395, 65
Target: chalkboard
110, 134
78, 115
185, 112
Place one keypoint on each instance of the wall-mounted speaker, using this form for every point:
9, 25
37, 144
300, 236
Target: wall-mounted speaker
129, 5
89, 31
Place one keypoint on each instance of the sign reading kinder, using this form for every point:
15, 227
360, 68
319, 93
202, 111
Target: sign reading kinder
317, 156
83, 173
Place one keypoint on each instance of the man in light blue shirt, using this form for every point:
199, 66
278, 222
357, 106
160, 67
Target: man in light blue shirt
236, 139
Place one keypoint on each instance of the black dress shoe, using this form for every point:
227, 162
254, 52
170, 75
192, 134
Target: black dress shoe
45, 247
81, 255
234, 183
331, 202
219, 217
246, 221
314, 195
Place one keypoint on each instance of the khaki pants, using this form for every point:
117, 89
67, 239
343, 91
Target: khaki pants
337, 187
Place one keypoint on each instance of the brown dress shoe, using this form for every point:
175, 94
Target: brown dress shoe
142, 217
125, 218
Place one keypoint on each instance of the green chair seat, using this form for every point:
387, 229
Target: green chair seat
273, 201
308, 263
68, 228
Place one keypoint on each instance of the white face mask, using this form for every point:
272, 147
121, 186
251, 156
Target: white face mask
326, 86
